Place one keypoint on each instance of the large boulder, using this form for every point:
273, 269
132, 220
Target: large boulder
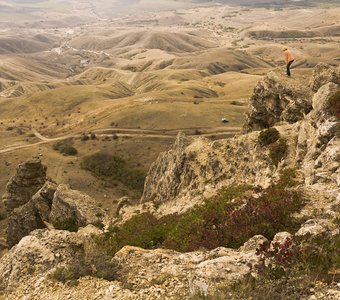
76, 206
40, 252
323, 74
274, 100
29, 178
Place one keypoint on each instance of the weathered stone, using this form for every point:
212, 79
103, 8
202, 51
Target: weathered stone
191, 172
323, 74
317, 141
22, 221
40, 252
121, 203
311, 228
43, 200
254, 243
29, 178
275, 100
281, 237
31, 215
71, 204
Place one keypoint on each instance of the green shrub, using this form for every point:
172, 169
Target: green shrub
112, 169
84, 137
69, 224
65, 148
268, 136
218, 222
294, 268
225, 223
99, 265
278, 151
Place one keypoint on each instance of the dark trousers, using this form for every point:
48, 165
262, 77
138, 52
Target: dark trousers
288, 67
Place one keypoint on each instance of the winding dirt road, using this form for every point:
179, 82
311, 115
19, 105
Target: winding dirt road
128, 132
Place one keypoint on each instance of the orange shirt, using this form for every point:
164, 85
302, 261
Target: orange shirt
288, 56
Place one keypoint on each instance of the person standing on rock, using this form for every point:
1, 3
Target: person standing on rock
289, 59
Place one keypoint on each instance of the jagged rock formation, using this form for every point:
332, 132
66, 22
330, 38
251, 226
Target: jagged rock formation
323, 74
68, 204
29, 178
52, 204
318, 142
43, 200
31, 215
276, 100
192, 171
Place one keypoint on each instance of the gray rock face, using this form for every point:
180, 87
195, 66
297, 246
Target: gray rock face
318, 143
31, 215
323, 74
29, 178
275, 100
196, 170
22, 221
43, 200
70, 204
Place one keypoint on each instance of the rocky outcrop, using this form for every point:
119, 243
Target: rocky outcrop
318, 143
274, 100
52, 204
71, 204
190, 172
143, 274
43, 199
40, 252
22, 221
31, 215
324, 74
29, 178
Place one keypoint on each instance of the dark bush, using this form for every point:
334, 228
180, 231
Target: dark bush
97, 265
112, 169
65, 147
289, 270
278, 151
69, 224
268, 136
84, 137
334, 105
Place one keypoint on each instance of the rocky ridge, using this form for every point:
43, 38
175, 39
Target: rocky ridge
184, 176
